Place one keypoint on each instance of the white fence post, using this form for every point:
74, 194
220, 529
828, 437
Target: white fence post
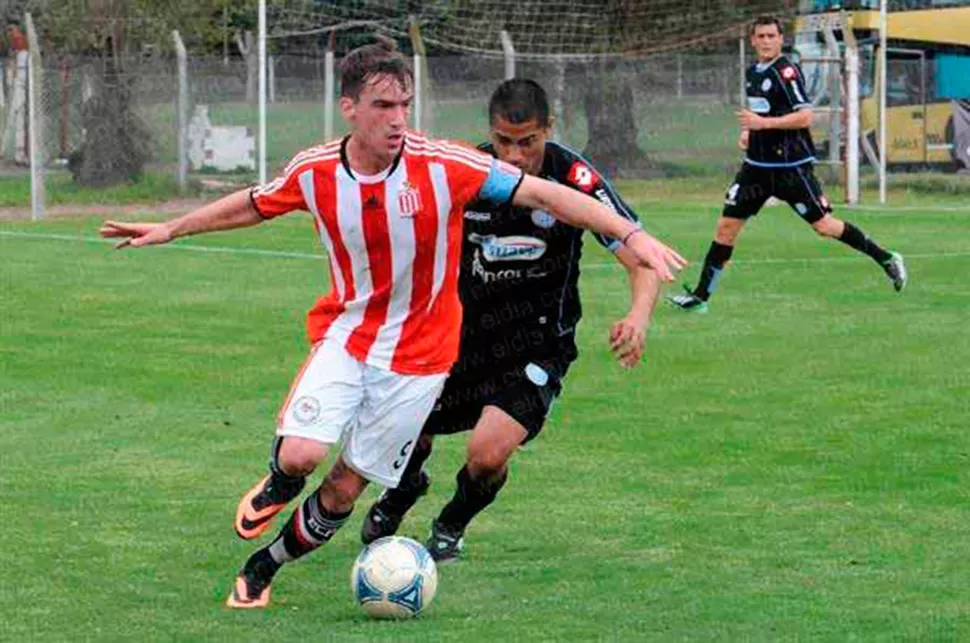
419, 62
558, 102
508, 50
680, 75
328, 88
183, 110
883, 62
262, 91
742, 74
852, 125
35, 85
272, 78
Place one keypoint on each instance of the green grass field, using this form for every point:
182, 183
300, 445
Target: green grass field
790, 467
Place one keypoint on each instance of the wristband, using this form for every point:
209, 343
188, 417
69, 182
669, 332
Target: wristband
630, 234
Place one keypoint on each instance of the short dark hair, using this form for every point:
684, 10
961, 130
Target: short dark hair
764, 21
519, 100
360, 65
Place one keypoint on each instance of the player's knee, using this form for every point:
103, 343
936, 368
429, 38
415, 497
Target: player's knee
300, 457
828, 227
487, 459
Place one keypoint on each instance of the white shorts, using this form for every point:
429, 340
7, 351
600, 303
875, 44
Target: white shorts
376, 413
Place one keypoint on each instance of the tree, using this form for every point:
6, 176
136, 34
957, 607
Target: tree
102, 40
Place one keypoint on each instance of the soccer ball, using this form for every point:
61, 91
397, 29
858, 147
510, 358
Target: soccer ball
394, 577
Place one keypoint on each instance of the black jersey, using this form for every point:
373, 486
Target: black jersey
519, 271
777, 89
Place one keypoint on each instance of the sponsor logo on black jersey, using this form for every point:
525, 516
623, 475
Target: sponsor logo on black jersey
513, 248
581, 176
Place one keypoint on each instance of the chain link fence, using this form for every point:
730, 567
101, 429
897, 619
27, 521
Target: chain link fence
98, 117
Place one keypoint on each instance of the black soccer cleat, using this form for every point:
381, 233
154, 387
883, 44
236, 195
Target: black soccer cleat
251, 587
688, 301
262, 503
445, 544
385, 516
896, 271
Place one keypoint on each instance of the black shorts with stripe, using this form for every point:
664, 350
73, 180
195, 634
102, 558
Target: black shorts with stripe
797, 186
525, 390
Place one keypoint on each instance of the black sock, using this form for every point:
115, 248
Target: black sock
282, 487
310, 526
857, 239
280, 476
471, 497
413, 483
717, 256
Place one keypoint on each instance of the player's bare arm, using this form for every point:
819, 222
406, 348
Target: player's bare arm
577, 209
628, 336
744, 139
233, 211
800, 119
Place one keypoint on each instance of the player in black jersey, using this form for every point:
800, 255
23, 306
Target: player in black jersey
518, 285
778, 162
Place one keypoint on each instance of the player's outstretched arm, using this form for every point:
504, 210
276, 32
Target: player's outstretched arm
233, 211
582, 211
628, 336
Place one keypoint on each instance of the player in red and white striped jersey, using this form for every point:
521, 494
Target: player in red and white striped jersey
388, 206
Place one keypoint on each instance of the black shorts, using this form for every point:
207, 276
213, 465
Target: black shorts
524, 390
796, 186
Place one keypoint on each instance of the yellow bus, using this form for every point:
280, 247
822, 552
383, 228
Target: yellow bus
927, 79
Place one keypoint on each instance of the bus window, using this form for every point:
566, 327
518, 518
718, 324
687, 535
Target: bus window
867, 70
952, 76
904, 79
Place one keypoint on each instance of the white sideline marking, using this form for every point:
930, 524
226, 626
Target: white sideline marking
193, 248
284, 254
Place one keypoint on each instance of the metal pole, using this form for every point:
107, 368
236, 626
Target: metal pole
680, 75
743, 95
418, 82
262, 91
328, 90
183, 108
271, 73
509, 53
417, 45
852, 135
883, 74
558, 109
35, 137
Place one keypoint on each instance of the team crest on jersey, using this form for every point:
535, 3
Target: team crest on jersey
543, 219
306, 409
582, 177
408, 200
766, 84
788, 73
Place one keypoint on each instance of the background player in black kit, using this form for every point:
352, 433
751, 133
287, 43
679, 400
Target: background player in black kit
518, 286
778, 162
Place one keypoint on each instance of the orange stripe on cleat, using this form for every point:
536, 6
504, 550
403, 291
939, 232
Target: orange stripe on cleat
239, 596
249, 522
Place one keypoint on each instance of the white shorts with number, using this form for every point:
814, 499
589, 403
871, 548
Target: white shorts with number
376, 413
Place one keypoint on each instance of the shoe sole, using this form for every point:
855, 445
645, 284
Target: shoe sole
239, 589
700, 310
250, 526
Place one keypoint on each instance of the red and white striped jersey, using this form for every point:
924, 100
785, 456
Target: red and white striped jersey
394, 245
